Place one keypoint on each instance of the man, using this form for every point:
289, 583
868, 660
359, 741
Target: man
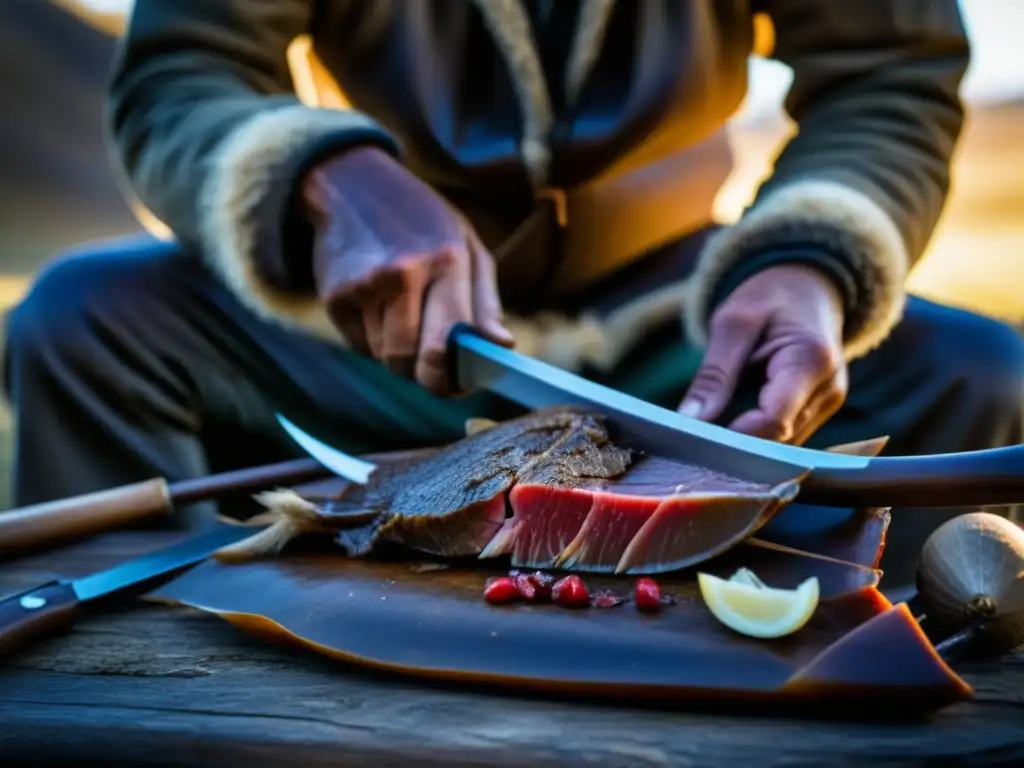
533, 168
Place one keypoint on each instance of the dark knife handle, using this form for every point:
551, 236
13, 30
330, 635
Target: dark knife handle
992, 477
35, 615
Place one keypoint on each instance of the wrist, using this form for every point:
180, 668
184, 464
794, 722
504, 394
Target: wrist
324, 180
835, 270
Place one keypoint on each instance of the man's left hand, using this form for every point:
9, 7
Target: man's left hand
789, 318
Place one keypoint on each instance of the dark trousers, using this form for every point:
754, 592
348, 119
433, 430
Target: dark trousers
129, 361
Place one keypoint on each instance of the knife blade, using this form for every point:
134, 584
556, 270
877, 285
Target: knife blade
53, 607
989, 477
343, 464
480, 364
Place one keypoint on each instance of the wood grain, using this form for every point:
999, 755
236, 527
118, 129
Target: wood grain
151, 685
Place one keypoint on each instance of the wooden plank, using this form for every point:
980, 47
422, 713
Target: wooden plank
156, 685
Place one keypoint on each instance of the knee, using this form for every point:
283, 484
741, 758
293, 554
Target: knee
993, 366
61, 299
71, 299
980, 360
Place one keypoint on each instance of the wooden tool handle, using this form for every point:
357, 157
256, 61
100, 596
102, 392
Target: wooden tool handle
242, 481
34, 615
970, 479
81, 515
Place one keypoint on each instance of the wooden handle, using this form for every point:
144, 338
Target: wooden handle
991, 477
35, 615
241, 481
82, 515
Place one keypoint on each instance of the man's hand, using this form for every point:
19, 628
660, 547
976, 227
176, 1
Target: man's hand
396, 267
789, 317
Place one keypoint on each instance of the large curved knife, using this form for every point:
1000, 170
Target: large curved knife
977, 478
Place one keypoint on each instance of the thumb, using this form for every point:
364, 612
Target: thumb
731, 339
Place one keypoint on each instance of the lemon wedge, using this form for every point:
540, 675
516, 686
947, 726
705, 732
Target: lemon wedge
745, 604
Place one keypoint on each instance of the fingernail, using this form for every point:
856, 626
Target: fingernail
502, 334
691, 408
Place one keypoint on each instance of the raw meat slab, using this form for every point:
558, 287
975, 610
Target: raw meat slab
576, 502
579, 502
856, 536
453, 501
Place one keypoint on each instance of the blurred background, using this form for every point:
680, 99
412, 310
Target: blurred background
57, 188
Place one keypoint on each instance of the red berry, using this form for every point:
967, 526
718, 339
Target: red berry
571, 592
500, 590
648, 595
524, 586
542, 583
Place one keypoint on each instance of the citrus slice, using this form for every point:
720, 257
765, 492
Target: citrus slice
745, 604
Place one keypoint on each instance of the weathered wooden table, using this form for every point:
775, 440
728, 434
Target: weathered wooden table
154, 685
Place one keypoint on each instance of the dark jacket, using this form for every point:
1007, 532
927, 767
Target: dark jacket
600, 106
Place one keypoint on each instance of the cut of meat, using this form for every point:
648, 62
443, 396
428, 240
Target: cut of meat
659, 515
578, 502
613, 521
544, 521
464, 530
454, 501
688, 528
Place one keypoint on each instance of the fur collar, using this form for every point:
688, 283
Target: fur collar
509, 23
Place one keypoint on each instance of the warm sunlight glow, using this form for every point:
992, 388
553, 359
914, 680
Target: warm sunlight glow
976, 258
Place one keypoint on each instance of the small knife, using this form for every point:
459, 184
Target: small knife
52, 608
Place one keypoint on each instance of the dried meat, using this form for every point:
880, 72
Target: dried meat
549, 490
453, 502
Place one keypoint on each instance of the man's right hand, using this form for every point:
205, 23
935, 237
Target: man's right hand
396, 267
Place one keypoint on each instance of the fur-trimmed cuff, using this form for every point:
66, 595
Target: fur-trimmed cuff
242, 206
833, 216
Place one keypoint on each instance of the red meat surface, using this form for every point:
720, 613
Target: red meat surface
578, 502
660, 515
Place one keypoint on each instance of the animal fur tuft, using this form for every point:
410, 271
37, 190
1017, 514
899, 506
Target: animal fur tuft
289, 516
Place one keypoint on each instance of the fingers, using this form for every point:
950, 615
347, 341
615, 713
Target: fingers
823, 407
347, 316
401, 311
373, 326
792, 378
487, 309
362, 310
732, 336
381, 314
402, 316
449, 301
806, 385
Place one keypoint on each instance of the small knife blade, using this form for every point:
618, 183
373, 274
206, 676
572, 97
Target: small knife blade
53, 607
347, 466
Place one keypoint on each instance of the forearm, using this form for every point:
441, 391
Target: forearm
214, 140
